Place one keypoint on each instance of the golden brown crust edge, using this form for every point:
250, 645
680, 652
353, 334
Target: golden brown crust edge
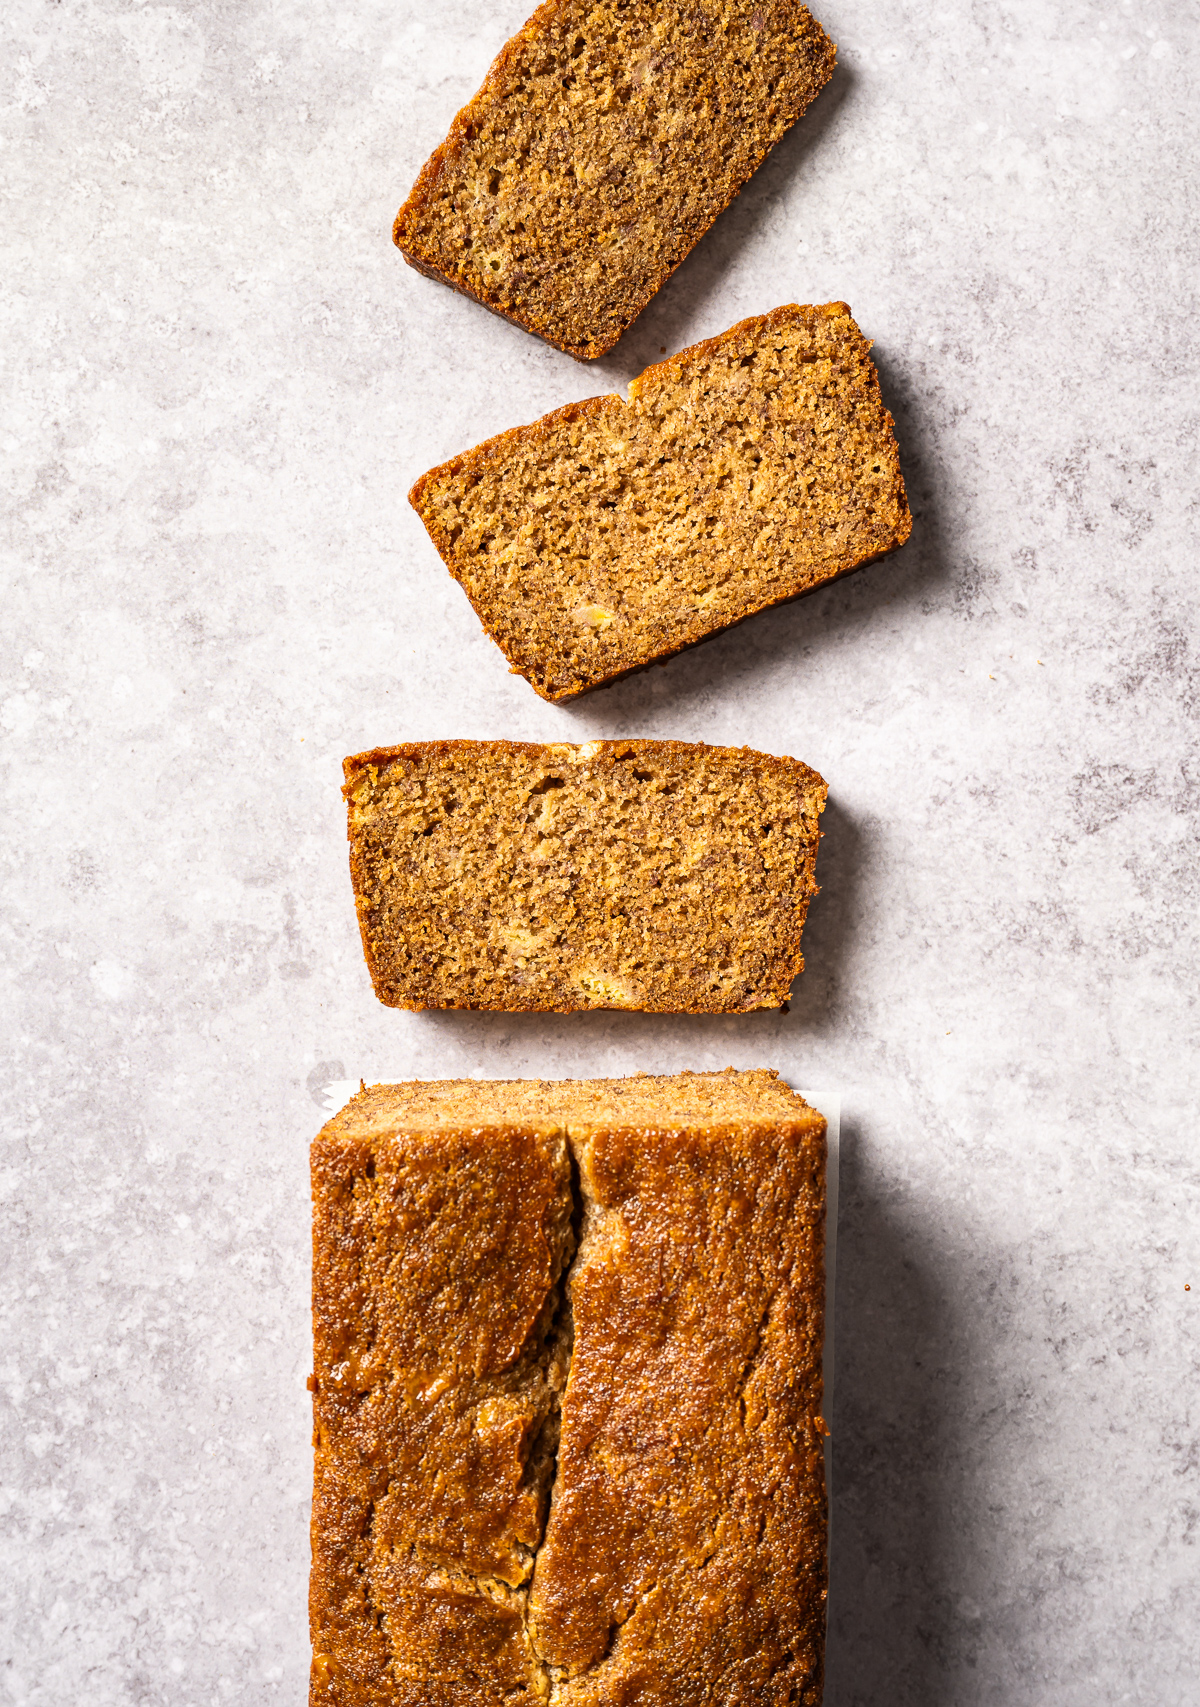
360, 1563
430, 172
602, 1614
809, 780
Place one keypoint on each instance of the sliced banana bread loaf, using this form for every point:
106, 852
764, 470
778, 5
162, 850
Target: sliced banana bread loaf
658, 875
742, 473
603, 144
567, 1394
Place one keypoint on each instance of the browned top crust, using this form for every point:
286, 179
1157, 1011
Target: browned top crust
686, 1538
743, 472
436, 1263
667, 1383
661, 875
604, 142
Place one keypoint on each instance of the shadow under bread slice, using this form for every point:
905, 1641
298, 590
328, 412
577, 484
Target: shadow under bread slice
567, 1393
660, 875
741, 473
601, 147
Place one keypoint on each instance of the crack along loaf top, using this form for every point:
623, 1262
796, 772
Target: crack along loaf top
567, 1390
604, 142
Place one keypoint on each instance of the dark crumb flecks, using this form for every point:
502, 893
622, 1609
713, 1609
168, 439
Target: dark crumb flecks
538, 204
619, 534
612, 875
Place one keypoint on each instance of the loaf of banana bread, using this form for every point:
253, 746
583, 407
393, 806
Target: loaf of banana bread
741, 473
567, 1385
661, 875
603, 144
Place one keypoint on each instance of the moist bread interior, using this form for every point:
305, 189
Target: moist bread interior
742, 473
660, 875
603, 144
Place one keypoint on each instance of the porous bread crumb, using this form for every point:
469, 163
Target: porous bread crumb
742, 473
603, 143
660, 875
550, 1105
568, 1445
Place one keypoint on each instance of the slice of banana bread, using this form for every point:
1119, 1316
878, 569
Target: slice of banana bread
603, 144
658, 875
742, 473
567, 1385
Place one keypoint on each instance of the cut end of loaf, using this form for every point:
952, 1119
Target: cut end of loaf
653, 875
600, 148
639, 1101
742, 473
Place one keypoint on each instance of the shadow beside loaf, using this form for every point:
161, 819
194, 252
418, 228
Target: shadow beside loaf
900, 1633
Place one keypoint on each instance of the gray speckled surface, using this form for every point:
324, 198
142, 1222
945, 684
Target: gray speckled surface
219, 382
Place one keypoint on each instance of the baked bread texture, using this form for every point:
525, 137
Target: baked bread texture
604, 142
742, 473
566, 1395
660, 875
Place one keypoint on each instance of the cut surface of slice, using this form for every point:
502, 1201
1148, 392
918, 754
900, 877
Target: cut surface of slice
660, 875
742, 473
583, 1105
567, 1391
602, 145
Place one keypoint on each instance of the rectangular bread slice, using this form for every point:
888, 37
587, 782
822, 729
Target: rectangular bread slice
658, 875
567, 1391
741, 473
600, 149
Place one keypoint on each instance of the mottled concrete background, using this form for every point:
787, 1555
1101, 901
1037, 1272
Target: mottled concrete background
220, 381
